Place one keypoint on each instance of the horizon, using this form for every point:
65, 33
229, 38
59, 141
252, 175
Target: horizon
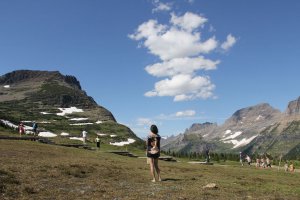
169, 63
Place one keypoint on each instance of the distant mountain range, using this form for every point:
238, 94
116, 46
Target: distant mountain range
257, 129
58, 103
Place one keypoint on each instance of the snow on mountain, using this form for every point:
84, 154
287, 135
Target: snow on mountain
46, 134
78, 119
236, 134
70, 110
129, 141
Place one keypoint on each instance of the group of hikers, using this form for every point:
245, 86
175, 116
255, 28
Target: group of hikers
264, 162
84, 138
22, 129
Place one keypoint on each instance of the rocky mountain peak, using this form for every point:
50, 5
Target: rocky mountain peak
199, 126
19, 76
254, 113
293, 107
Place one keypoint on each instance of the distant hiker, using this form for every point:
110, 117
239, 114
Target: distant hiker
257, 162
268, 162
286, 167
263, 162
84, 134
207, 155
34, 128
241, 158
153, 151
292, 167
21, 129
248, 160
98, 142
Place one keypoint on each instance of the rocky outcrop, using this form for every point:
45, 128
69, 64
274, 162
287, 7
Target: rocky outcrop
36, 75
293, 107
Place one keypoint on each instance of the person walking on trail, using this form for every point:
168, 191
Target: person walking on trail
257, 163
241, 158
97, 142
21, 129
248, 160
207, 155
84, 134
286, 166
34, 128
292, 167
268, 162
153, 152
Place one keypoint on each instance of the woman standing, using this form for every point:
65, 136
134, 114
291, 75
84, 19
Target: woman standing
153, 151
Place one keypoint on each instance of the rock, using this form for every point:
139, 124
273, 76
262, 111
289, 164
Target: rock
293, 107
210, 186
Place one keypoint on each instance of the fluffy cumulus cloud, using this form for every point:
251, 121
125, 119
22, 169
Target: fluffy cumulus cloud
159, 6
189, 21
230, 41
169, 42
184, 65
184, 87
182, 52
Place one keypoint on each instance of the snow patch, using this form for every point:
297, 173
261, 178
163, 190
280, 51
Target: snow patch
64, 134
76, 138
6, 86
244, 142
29, 132
79, 119
99, 122
47, 134
113, 135
70, 110
227, 132
236, 134
259, 117
81, 124
8, 123
129, 141
45, 113
101, 134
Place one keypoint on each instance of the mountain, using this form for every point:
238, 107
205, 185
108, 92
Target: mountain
255, 129
57, 102
293, 108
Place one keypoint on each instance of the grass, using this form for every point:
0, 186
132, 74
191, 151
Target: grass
31, 170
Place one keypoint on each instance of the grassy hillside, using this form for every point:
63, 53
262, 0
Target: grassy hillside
30, 170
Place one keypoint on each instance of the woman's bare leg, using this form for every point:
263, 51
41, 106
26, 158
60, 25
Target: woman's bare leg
157, 168
152, 169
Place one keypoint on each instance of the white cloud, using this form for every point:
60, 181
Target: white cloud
159, 6
189, 21
181, 66
181, 49
184, 87
168, 42
186, 113
230, 41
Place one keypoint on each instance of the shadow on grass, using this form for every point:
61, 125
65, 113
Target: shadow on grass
170, 179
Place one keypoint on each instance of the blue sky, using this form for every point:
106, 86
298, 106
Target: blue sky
172, 63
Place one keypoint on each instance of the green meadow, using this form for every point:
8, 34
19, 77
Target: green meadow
32, 170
